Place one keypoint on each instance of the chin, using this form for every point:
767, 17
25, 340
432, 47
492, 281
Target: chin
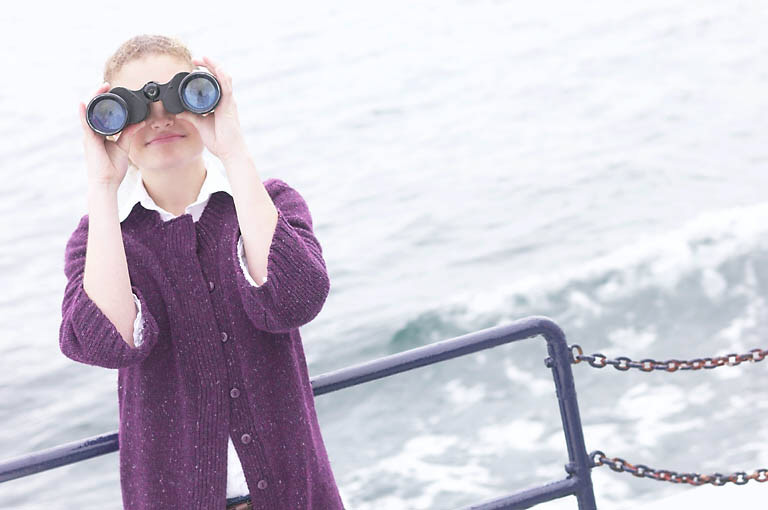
168, 159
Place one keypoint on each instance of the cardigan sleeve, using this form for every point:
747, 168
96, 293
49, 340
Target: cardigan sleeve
86, 334
298, 282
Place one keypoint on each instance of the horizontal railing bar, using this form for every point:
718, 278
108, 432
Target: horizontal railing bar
58, 456
530, 497
433, 353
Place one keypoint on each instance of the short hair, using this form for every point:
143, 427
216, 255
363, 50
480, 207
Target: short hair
142, 45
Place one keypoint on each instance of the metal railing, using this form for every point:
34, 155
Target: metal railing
578, 482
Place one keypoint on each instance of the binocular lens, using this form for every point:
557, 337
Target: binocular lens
200, 95
108, 116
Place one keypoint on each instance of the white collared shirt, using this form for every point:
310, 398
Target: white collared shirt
135, 191
215, 180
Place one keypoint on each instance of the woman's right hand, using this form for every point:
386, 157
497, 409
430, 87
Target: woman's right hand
107, 160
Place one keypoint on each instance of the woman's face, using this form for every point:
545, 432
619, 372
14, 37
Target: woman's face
144, 152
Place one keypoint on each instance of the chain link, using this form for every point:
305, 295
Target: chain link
623, 363
642, 471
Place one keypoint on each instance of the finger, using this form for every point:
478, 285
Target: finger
81, 115
210, 64
103, 88
225, 80
217, 68
221, 73
200, 63
128, 134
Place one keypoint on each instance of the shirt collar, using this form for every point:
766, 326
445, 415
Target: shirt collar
215, 180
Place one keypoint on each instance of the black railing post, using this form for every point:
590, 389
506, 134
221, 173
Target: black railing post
580, 465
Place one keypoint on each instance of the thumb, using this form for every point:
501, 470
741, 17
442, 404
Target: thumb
127, 135
191, 118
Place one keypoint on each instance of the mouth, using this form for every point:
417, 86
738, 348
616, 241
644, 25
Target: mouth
165, 139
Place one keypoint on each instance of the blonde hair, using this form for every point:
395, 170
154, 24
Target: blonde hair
142, 45
137, 47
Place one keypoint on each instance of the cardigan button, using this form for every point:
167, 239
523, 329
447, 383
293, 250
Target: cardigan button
245, 438
234, 393
262, 484
211, 285
224, 336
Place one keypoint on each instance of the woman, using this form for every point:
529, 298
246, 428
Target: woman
167, 295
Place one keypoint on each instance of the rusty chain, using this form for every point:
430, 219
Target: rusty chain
642, 471
623, 363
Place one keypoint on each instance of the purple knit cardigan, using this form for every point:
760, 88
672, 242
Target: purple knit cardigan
220, 358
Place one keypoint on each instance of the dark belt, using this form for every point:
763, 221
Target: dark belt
240, 503
240, 506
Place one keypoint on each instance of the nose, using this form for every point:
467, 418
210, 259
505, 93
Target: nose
158, 118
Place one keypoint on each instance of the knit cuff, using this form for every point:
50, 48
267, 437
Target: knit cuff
88, 336
298, 282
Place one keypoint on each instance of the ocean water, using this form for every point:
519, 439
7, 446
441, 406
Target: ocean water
466, 163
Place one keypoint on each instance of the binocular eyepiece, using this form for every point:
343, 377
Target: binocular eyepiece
197, 92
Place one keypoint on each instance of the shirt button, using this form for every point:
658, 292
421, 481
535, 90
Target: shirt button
262, 484
234, 393
245, 438
211, 285
224, 336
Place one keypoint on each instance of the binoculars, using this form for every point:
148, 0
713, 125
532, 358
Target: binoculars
197, 91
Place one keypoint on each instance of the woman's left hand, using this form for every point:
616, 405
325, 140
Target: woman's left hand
220, 129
